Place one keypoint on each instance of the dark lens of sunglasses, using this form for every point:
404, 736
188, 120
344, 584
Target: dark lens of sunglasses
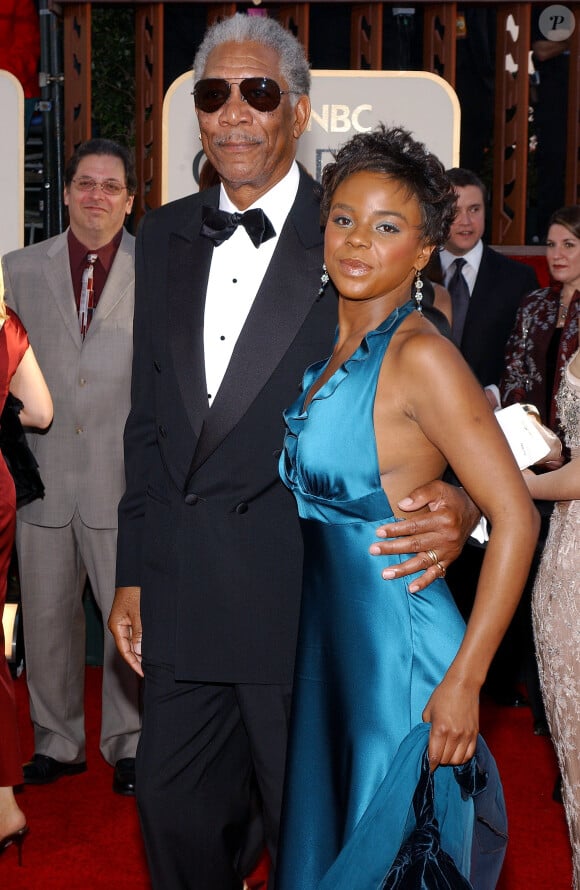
211, 94
261, 93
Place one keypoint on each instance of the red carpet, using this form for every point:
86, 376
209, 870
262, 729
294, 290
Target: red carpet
84, 837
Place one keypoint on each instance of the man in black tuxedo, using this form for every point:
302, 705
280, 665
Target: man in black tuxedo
209, 550
495, 283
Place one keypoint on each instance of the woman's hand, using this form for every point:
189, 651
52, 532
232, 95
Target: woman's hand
453, 712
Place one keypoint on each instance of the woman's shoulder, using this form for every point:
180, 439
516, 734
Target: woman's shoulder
419, 331
14, 330
536, 312
14, 321
420, 344
538, 296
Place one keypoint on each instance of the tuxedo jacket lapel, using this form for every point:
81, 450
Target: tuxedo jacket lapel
189, 261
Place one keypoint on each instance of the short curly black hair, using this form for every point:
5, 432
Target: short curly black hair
394, 153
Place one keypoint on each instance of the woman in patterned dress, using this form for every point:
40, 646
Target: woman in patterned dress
545, 333
556, 605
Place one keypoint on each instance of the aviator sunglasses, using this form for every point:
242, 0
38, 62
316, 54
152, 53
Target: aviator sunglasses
261, 93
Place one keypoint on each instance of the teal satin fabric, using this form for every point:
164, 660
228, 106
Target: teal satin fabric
369, 652
367, 856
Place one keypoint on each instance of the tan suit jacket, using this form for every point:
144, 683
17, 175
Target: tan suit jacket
89, 382
72, 532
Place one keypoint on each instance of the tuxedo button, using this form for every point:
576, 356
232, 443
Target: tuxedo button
157, 367
162, 432
191, 499
242, 508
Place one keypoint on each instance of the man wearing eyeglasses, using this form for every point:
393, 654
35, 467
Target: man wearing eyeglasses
75, 295
229, 311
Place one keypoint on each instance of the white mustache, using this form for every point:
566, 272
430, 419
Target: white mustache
237, 137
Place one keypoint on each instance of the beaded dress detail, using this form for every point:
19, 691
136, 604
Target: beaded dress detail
556, 617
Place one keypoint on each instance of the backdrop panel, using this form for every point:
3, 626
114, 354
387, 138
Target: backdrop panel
11, 163
343, 103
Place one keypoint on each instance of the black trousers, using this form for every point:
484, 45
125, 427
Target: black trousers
210, 772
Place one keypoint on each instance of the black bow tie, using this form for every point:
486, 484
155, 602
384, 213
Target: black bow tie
220, 225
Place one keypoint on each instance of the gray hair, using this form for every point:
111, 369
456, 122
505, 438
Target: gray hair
241, 28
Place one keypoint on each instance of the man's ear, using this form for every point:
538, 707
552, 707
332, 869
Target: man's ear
301, 116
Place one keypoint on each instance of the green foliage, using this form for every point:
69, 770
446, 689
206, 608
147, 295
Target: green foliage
113, 72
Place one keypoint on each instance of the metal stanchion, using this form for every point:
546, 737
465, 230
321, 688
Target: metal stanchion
51, 81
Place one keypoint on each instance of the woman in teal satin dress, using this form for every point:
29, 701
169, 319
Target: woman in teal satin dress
388, 410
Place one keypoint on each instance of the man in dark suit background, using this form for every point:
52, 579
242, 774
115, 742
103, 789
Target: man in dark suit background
496, 283
209, 554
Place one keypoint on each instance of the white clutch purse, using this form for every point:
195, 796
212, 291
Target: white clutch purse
530, 441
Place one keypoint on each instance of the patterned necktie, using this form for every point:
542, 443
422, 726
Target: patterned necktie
219, 225
87, 300
459, 291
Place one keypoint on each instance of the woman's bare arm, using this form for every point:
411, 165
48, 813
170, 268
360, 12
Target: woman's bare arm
559, 485
28, 385
443, 400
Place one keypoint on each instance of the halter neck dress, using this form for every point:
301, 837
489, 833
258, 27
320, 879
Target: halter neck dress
369, 652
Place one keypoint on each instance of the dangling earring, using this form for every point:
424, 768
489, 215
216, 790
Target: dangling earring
418, 295
324, 279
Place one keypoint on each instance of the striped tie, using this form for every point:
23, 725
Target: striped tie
87, 301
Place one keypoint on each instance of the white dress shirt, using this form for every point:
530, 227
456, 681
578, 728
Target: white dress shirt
236, 273
470, 269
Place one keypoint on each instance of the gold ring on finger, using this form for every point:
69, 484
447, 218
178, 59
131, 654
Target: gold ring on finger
441, 569
433, 557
